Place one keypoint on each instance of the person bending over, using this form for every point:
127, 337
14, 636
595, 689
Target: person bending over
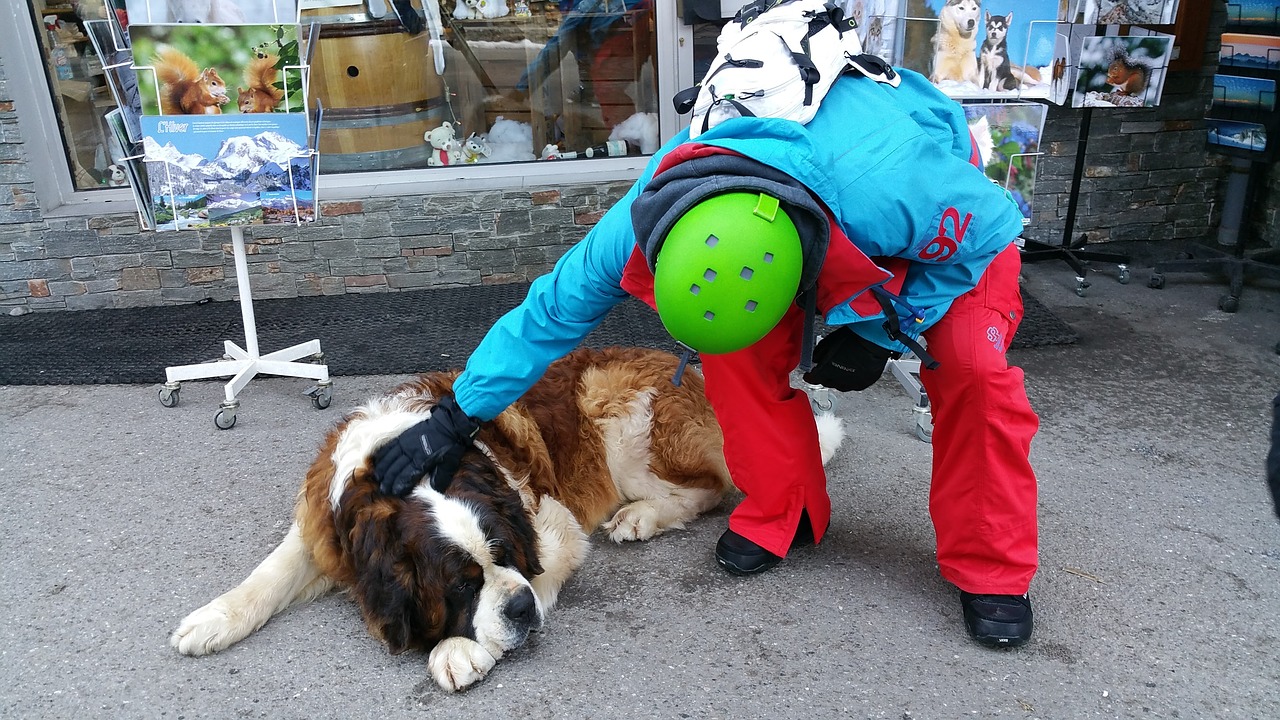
874, 214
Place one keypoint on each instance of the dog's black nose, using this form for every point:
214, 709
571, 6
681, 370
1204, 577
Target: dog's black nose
522, 609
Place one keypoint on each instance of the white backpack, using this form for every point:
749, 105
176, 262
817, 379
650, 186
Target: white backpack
778, 58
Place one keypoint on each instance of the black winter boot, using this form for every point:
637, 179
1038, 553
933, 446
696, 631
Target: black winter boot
997, 620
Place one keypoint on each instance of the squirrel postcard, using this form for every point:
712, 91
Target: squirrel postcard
215, 70
1122, 71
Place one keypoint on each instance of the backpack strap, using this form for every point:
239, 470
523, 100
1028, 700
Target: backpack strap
687, 98
893, 326
876, 68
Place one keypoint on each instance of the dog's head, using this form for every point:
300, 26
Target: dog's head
433, 566
998, 28
962, 15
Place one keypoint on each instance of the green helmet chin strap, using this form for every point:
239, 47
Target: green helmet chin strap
727, 272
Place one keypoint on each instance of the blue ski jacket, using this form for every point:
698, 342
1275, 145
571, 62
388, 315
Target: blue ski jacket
892, 165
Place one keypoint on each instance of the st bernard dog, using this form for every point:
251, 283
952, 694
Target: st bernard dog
603, 440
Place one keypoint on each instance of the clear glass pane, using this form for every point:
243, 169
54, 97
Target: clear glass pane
80, 94
571, 79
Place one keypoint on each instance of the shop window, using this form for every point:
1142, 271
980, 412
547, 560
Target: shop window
80, 94
546, 79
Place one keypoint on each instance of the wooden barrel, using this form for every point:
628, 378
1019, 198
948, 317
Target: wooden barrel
379, 89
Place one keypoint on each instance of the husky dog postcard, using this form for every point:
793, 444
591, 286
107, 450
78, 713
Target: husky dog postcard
989, 49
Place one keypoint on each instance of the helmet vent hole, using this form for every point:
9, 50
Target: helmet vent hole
768, 257
708, 316
746, 273
751, 306
694, 289
709, 275
712, 241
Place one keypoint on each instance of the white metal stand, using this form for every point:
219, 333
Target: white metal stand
245, 363
907, 370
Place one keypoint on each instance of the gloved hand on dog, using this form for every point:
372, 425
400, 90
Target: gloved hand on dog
433, 446
844, 361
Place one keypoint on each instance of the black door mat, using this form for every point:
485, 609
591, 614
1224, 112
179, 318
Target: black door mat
370, 334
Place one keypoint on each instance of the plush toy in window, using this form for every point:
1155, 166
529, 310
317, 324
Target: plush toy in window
480, 9
445, 149
114, 176
475, 147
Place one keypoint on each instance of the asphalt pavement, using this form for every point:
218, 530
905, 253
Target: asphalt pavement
1158, 594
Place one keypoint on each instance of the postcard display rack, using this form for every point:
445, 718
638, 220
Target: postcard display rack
1242, 122
212, 130
1094, 53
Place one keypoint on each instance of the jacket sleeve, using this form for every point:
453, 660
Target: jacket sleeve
561, 308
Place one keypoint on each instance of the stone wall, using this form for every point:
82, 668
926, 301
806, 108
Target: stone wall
373, 245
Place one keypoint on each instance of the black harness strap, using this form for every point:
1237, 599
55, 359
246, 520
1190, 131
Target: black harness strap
893, 326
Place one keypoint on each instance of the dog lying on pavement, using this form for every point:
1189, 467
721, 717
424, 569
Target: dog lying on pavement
603, 440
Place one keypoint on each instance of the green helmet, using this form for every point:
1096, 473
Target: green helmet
727, 272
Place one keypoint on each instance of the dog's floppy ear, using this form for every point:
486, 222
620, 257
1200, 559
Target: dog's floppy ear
400, 605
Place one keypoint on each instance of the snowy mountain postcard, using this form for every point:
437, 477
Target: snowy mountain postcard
223, 170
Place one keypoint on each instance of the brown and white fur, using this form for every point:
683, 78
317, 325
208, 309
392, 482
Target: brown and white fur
955, 42
604, 440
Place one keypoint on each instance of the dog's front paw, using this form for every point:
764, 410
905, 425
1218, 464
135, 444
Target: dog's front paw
457, 663
207, 630
637, 521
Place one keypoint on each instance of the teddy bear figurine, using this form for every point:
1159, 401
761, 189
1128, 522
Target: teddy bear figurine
445, 149
480, 9
475, 147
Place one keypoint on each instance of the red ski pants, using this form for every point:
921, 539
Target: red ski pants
983, 494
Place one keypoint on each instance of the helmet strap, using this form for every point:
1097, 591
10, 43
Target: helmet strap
686, 354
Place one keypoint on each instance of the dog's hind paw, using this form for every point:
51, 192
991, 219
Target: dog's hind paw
207, 630
457, 663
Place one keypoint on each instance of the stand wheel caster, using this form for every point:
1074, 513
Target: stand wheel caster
924, 435
170, 395
1081, 286
820, 399
1228, 303
1156, 281
226, 417
321, 395
1123, 277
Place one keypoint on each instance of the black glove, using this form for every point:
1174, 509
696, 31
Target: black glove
844, 361
434, 446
